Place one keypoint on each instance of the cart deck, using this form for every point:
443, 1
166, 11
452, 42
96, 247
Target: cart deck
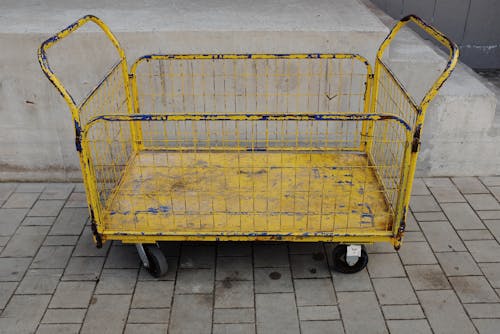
248, 193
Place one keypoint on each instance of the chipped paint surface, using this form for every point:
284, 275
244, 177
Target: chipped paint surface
249, 193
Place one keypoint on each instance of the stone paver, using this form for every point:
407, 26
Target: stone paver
458, 264
83, 268
484, 250
475, 235
234, 315
494, 227
268, 280
106, 314
21, 200
149, 315
12, 269
310, 292
52, 257
492, 273
469, 185
6, 291
427, 277
70, 221
195, 281
359, 281
61, 316
274, 255
230, 294
23, 313
233, 328
318, 313
10, 219
461, 216
276, 313
442, 237
117, 281
122, 257
319, 327
153, 294
444, 279
487, 326
40, 281
46, 208
361, 312
417, 253
403, 312
444, 312
423, 203
309, 265
191, 314
409, 326
234, 268
72, 295
394, 291
473, 289
483, 202
483, 310
385, 265
447, 194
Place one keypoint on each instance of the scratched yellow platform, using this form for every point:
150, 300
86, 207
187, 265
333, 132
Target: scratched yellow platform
247, 193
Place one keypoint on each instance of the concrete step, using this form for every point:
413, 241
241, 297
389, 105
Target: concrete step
36, 132
461, 134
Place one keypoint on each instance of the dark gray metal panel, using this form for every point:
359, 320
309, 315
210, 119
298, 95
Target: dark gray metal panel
483, 23
421, 8
480, 56
450, 17
382, 4
394, 8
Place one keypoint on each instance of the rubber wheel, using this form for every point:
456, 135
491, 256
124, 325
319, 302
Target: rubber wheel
158, 265
340, 264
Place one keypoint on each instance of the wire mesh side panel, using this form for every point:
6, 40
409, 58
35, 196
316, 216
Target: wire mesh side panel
249, 177
109, 146
108, 98
389, 143
250, 86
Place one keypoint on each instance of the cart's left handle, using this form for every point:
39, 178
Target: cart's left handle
44, 63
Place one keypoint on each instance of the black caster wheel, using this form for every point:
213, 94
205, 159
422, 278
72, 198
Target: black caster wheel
341, 264
158, 266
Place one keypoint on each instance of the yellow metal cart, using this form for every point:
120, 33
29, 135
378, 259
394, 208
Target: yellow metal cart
241, 147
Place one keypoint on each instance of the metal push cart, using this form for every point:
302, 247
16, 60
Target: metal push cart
291, 147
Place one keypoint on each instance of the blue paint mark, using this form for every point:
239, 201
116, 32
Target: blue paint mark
254, 117
78, 137
368, 215
160, 209
316, 173
112, 213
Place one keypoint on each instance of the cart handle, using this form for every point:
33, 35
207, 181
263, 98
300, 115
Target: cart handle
441, 38
44, 63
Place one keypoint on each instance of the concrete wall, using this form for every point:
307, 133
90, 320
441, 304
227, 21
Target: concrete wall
472, 24
36, 132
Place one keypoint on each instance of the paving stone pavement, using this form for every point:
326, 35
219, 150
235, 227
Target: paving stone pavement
445, 278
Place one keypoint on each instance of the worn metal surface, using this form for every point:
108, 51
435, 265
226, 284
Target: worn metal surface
238, 147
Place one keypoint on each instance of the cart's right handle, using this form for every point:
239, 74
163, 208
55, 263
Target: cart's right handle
44, 63
441, 38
